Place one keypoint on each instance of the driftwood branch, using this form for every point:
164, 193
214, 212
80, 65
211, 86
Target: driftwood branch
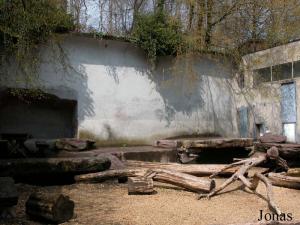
245, 165
269, 190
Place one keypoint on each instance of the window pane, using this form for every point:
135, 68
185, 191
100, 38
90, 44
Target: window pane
282, 72
261, 75
297, 69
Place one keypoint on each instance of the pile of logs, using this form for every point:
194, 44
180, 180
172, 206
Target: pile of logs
141, 176
193, 177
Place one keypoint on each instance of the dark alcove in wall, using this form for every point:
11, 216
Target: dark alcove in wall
43, 116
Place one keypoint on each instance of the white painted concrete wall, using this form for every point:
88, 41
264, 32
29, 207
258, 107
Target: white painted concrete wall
116, 90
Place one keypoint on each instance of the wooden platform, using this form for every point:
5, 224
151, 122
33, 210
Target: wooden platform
209, 143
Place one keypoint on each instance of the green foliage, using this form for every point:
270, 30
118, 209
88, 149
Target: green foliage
25, 24
157, 34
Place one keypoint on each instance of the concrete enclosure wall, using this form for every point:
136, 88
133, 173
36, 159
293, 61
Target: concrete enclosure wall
119, 96
264, 100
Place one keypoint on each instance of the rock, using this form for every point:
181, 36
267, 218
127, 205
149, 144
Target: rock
272, 138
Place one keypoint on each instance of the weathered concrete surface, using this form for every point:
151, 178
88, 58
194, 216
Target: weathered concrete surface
264, 100
119, 96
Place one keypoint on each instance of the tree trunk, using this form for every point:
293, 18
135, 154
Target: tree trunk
56, 208
187, 181
284, 181
209, 26
140, 185
201, 11
193, 169
50, 166
191, 15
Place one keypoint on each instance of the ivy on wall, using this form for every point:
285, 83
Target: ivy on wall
157, 34
25, 24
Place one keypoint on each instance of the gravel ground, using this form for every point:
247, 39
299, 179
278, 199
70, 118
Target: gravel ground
108, 203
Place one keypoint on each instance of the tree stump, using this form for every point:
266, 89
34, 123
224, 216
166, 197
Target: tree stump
55, 208
140, 185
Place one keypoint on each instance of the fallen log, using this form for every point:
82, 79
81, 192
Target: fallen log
288, 151
56, 208
281, 180
44, 166
140, 185
193, 169
110, 174
183, 180
167, 176
216, 143
293, 172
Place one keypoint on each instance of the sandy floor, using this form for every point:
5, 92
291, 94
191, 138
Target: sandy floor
108, 203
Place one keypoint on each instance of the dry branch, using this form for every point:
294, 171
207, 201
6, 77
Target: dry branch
245, 165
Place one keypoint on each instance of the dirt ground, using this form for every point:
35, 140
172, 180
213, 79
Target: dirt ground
109, 203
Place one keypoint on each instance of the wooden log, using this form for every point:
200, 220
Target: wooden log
281, 180
140, 185
110, 174
166, 143
183, 180
287, 150
293, 172
218, 143
8, 192
41, 166
193, 169
56, 208
167, 176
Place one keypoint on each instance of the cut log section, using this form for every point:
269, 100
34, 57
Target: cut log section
140, 185
8, 192
193, 169
282, 180
187, 181
41, 166
56, 208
